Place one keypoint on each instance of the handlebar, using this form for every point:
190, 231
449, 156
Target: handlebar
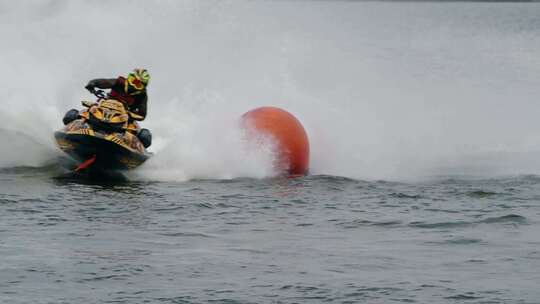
100, 94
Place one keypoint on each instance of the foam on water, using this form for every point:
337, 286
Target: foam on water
384, 90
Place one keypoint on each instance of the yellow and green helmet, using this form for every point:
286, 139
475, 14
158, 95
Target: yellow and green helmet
138, 79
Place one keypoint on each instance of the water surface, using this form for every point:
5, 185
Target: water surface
305, 240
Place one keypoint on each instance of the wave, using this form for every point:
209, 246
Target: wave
512, 219
20, 149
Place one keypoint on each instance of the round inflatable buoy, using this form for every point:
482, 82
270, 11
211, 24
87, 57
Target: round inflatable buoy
289, 134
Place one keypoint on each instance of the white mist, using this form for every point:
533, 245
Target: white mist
384, 91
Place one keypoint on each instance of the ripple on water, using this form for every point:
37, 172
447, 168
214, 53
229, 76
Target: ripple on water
483, 194
401, 195
457, 241
505, 219
464, 296
8, 201
510, 218
185, 234
167, 208
363, 223
455, 224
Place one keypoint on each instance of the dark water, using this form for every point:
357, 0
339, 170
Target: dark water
316, 239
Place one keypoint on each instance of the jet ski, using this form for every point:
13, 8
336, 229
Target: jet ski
104, 137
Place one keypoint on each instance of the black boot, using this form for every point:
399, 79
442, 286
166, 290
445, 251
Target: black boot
145, 137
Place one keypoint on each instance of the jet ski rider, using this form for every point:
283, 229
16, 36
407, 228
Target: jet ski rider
130, 90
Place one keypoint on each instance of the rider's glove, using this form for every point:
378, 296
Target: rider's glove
90, 87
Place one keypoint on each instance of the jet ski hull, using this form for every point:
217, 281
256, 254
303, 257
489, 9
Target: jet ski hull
111, 151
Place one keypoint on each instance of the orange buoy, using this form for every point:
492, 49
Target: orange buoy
289, 134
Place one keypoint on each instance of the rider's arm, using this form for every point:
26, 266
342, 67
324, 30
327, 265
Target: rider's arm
101, 83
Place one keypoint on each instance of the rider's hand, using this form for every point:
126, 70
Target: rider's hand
90, 88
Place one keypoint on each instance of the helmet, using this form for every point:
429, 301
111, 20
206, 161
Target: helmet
138, 79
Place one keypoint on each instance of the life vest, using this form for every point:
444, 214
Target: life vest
123, 92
